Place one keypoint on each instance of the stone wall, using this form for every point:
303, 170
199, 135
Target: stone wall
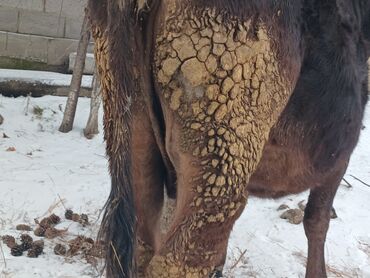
40, 30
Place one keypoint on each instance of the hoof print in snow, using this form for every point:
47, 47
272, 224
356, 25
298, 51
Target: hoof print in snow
55, 219
76, 217
1, 120
68, 214
39, 231
51, 233
60, 250
5, 136
80, 244
26, 242
46, 227
17, 250
84, 219
23, 227
282, 207
9, 241
36, 249
49, 222
294, 216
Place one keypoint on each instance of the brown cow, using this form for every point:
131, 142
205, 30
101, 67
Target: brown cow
210, 101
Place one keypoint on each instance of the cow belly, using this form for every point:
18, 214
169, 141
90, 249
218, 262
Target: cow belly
282, 171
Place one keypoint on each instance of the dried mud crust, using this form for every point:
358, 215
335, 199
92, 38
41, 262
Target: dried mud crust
166, 267
223, 87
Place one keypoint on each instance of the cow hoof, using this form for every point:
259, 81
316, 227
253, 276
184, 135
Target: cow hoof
166, 266
216, 274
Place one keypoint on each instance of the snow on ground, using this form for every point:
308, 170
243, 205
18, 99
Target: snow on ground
48, 166
44, 77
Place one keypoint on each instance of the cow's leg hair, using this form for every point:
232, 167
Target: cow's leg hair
148, 176
316, 223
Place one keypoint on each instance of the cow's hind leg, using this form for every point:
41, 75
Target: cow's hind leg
316, 223
215, 133
219, 104
209, 201
148, 178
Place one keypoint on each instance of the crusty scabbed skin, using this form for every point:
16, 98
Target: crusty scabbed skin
226, 84
212, 82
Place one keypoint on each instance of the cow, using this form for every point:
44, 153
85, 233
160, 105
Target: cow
209, 101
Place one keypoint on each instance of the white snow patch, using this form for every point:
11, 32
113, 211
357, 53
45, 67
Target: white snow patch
44, 77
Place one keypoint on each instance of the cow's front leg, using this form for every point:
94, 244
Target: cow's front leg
316, 223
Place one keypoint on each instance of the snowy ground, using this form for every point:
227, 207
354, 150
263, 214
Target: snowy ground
47, 167
44, 77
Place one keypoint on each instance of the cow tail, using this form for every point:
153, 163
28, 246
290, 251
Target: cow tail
117, 49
